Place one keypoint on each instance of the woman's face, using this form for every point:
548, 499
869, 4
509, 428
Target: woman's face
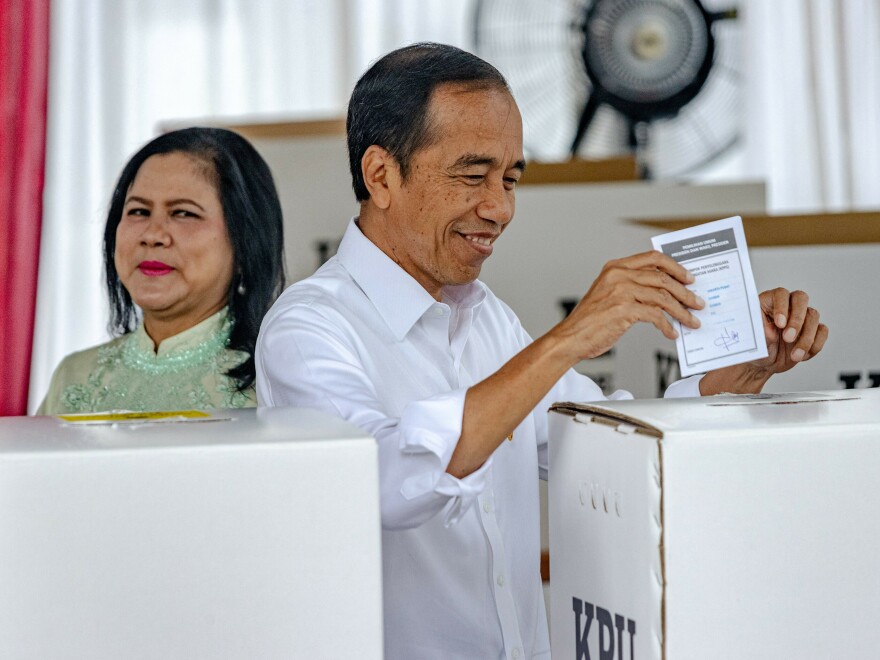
173, 253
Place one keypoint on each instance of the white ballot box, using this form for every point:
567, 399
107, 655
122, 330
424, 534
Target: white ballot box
252, 534
722, 527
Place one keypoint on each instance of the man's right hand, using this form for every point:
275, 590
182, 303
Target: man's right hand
634, 289
638, 288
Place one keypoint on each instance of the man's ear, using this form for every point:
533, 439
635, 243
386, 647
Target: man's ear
381, 175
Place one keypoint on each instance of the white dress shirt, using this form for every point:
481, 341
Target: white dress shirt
361, 339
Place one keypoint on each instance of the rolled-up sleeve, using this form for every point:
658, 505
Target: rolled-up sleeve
302, 360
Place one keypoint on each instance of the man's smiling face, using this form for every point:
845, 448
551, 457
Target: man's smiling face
458, 196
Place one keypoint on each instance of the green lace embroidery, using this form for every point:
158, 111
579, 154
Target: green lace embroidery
131, 377
146, 361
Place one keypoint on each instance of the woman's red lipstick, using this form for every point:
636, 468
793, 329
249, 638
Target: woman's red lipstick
154, 268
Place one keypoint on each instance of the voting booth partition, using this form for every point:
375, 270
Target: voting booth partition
735, 526
243, 534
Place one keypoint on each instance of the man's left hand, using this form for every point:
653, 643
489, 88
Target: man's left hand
793, 334
792, 330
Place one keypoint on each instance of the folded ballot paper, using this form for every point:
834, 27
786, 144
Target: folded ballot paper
731, 330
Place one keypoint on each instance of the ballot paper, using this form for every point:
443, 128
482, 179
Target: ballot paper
731, 330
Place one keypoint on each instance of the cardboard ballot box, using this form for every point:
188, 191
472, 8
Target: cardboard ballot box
722, 527
249, 534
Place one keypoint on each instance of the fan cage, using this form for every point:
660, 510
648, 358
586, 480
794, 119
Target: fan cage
538, 45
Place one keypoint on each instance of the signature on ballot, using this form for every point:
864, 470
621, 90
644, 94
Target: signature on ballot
727, 339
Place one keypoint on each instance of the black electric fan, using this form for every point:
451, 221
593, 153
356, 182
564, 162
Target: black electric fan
596, 78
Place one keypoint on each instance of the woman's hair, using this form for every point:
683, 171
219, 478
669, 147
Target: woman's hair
253, 221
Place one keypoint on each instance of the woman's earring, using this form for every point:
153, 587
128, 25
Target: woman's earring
241, 288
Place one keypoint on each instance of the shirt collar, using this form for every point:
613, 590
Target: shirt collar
215, 325
465, 295
397, 296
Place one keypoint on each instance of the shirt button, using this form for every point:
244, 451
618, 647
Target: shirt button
515, 654
500, 580
487, 507
438, 311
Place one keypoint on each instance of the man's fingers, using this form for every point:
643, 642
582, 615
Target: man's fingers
640, 288
663, 282
797, 314
653, 315
653, 287
779, 308
654, 260
771, 332
665, 300
819, 341
774, 304
805, 340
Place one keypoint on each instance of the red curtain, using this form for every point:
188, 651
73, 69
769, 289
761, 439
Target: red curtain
24, 64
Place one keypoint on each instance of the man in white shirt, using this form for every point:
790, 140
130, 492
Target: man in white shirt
397, 335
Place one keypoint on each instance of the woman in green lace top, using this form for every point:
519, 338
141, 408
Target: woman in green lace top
193, 258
